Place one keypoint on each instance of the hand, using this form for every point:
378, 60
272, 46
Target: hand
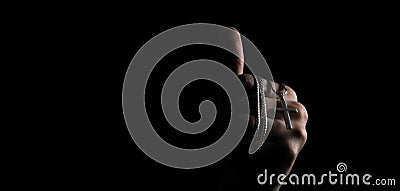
282, 146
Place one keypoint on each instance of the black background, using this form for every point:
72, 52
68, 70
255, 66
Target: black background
68, 71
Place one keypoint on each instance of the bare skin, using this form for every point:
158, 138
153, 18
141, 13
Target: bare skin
279, 152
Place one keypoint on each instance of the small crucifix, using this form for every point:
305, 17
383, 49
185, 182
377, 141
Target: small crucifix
286, 111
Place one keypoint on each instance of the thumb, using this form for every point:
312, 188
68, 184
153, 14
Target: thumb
237, 64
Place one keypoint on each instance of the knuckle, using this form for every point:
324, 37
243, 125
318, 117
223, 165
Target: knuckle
291, 92
301, 134
302, 111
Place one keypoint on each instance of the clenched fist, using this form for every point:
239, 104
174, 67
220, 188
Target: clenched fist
280, 150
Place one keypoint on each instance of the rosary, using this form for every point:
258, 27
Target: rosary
262, 130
